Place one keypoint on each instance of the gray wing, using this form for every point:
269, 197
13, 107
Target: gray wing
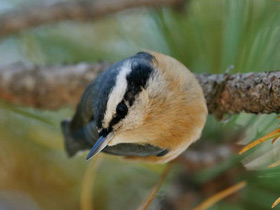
80, 132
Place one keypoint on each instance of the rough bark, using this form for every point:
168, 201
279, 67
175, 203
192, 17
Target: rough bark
53, 87
256, 93
15, 21
49, 87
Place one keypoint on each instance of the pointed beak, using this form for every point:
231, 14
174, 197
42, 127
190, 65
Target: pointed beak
101, 143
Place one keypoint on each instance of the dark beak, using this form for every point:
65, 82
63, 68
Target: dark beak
101, 143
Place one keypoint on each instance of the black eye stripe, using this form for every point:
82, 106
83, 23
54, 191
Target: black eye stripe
105, 132
137, 80
120, 114
141, 69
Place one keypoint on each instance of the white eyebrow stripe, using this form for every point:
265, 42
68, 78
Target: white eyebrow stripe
117, 94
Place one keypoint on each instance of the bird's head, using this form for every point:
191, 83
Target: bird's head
152, 99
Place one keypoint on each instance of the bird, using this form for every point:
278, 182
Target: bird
148, 107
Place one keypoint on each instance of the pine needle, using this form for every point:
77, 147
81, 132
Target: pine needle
277, 163
276, 203
219, 196
86, 199
275, 133
274, 139
146, 203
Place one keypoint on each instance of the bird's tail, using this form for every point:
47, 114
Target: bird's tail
71, 142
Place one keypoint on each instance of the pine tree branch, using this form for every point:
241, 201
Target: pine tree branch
53, 87
15, 21
50, 87
256, 93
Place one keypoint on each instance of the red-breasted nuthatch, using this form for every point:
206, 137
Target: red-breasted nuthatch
148, 107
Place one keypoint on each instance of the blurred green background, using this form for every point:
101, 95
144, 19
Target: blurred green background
208, 37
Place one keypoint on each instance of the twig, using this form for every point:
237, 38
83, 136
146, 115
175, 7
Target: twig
15, 21
53, 87
49, 87
219, 196
251, 93
86, 202
146, 203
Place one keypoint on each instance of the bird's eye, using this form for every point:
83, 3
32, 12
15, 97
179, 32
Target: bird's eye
122, 109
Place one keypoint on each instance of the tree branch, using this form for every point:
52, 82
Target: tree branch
53, 87
257, 93
15, 21
48, 87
